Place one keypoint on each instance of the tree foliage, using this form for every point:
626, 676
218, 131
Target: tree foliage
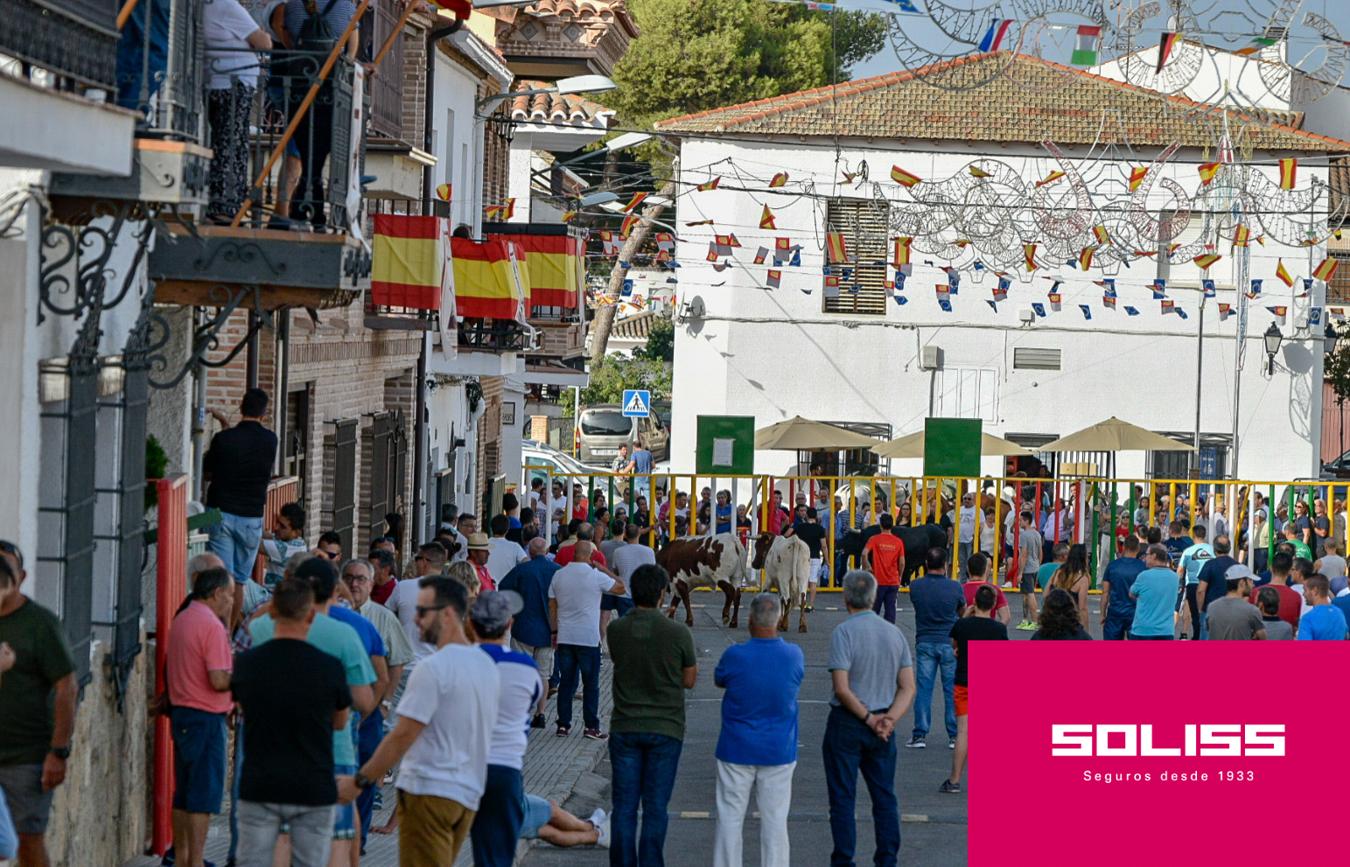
694, 55
612, 374
1336, 371
660, 341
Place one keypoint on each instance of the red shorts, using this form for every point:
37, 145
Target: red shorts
962, 696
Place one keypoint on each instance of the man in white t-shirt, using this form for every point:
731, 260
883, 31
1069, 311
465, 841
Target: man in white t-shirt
503, 554
443, 735
574, 616
965, 530
231, 36
429, 560
502, 809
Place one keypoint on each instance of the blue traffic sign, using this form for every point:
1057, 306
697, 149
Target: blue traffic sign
637, 403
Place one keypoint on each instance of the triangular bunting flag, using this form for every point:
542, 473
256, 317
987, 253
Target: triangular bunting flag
1207, 286
766, 219
1050, 178
1288, 173
1131, 311
1205, 260
1165, 46
1225, 310
778, 180
1326, 270
836, 250
904, 178
709, 185
1278, 312
634, 202
1137, 176
1087, 311
1285, 277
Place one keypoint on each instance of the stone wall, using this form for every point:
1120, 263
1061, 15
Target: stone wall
101, 814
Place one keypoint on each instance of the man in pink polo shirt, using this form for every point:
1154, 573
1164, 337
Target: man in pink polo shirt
197, 672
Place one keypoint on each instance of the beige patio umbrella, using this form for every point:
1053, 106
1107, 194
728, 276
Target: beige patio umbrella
803, 434
1114, 435
911, 446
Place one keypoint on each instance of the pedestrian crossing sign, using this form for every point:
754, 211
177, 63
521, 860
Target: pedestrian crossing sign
637, 403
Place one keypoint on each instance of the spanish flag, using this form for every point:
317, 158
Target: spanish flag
901, 257
1050, 178
778, 180
904, 178
766, 219
554, 265
1207, 172
1137, 177
629, 222
1205, 260
409, 261
568, 216
1288, 173
634, 202
500, 213
709, 185
445, 192
1326, 270
1103, 237
1085, 258
1285, 277
1241, 235
487, 280
1279, 312
836, 251
1029, 254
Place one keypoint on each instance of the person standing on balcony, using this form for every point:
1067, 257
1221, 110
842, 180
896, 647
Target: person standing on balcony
311, 26
232, 81
237, 468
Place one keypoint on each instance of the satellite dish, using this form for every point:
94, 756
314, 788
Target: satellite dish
692, 309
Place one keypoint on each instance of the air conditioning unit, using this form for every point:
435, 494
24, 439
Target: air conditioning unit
930, 358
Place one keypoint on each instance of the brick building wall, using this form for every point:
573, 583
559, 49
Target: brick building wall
488, 453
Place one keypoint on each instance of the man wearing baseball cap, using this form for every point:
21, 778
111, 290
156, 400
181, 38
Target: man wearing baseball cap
502, 809
1232, 617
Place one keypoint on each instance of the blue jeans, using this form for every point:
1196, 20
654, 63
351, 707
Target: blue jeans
368, 738
644, 766
573, 659
235, 541
501, 812
1115, 628
928, 656
199, 760
886, 597
1204, 625
850, 746
137, 82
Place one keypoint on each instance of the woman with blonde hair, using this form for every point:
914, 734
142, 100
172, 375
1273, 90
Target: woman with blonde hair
1074, 578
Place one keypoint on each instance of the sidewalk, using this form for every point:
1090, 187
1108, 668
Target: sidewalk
553, 767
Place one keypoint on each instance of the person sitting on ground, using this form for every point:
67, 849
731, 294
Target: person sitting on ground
545, 820
1059, 619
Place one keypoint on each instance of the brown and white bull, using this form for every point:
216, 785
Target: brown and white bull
705, 561
786, 561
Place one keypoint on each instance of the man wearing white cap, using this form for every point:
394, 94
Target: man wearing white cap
1233, 618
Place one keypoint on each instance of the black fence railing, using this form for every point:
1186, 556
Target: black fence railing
161, 67
73, 40
429, 319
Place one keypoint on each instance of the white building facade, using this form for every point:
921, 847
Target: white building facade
744, 348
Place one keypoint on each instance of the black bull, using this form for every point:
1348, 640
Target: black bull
917, 541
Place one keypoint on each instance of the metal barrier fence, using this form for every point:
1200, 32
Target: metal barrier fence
1097, 512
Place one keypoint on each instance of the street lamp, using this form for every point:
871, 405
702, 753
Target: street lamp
1272, 340
562, 87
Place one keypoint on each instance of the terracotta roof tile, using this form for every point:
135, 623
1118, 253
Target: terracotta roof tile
553, 108
576, 8
1032, 100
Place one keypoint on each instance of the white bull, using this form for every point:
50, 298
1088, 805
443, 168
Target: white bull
786, 561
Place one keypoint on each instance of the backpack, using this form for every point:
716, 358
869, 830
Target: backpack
316, 34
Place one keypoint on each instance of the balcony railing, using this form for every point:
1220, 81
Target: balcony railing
160, 68
73, 40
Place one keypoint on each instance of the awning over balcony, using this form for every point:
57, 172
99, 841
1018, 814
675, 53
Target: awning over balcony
490, 279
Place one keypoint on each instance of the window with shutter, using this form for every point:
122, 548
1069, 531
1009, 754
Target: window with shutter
865, 230
1033, 358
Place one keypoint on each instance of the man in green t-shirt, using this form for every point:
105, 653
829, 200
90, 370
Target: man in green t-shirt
654, 663
37, 708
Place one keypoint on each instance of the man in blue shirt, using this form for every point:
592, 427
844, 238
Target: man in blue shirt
1324, 621
1192, 560
757, 747
1212, 584
642, 465
938, 602
1154, 593
1118, 612
530, 632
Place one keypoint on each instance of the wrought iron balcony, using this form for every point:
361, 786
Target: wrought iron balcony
73, 41
283, 216
394, 305
555, 264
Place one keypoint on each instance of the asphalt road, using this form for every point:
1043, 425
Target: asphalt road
933, 825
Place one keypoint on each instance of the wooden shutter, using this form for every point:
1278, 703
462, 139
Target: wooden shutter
866, 230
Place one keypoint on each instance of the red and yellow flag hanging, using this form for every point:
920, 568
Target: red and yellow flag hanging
634, 202
409, 261
488, 280
1207, 172
1050, 178
1205, 260
568, 216
1137, 177
836, 250
1103, 237
1085, 258
901, 257
629, 222
766, 219
1288, 173
1241, 235
1285, 277
553, 265
904, 178
709, 185
1029, 254
1326, 270
445, 192
778, 180
501, 213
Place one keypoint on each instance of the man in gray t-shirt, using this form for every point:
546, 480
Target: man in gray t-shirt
1233, 618
873, 678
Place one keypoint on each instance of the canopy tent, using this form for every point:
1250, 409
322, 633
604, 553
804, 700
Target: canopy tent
911, 446
1114, 435
803, 434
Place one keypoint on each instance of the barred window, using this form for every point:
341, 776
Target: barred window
865, 229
